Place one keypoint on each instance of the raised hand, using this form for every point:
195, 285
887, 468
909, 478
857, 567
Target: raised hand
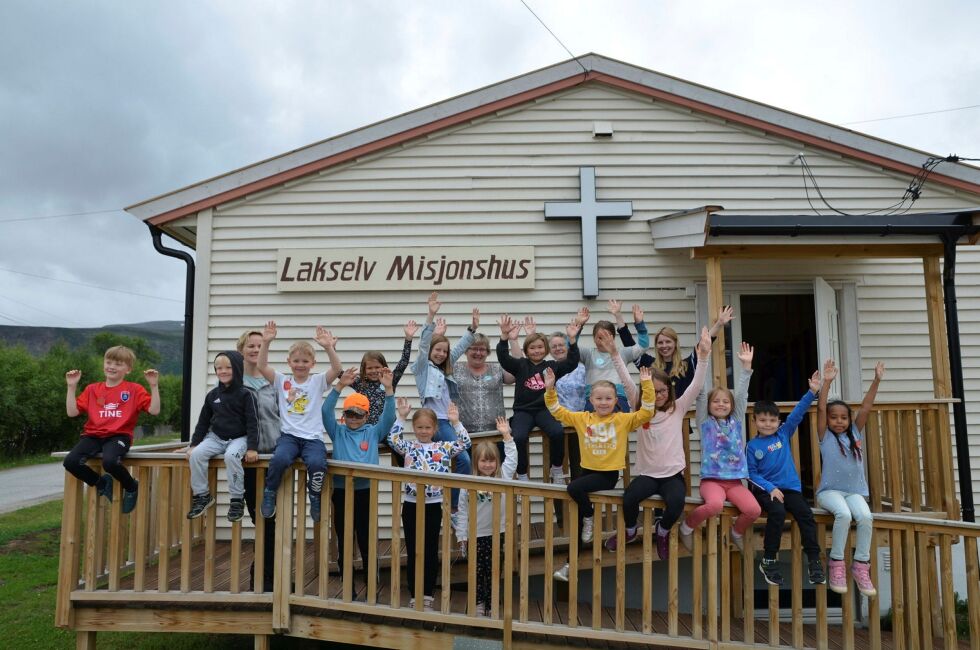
72, 377
387, 378
549, 379
645, 373
815, 382
530, 325
440, 329
506, 324
615, 307
475, 319
503, 428
582, 317
879, 370
572, 329
745, 355
152, 377
515, 330
829, 371
704, 344
347, 378
269, 331
403, 408
726, 314
452, 414
325, 338
411, 329
605, 342
637, 314
433, 303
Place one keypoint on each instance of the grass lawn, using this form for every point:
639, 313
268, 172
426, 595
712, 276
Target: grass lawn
29, 541
45, 457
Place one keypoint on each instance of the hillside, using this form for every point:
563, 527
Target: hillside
166, 337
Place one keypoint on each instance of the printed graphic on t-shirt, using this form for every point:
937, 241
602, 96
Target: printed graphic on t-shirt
600, 438
297, 398
534, 382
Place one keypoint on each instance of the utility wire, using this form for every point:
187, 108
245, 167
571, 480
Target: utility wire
93, 286
555, 36
60, 216
899, 117
47, 313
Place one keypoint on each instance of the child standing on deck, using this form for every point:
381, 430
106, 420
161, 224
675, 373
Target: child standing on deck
300, 399
426, 455
843, 486
356, 440
486, 462
433, 370
719, 416
227, 426
112, 407
777, 486
603, 437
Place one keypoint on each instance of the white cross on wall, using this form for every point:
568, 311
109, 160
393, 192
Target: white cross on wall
589, 210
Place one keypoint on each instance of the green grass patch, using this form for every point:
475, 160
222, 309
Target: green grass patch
29, 546
29, 459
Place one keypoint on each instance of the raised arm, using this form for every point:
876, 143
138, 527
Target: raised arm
425, 342
829, 374
467, 339
507, 362
796, 416
433, 305
72, 377
329, 343
605, 342
642, 334
387, 418
396, 436
262, 364
153, 381
462, 441
703, 350
745, 355
869, 398
725, 315
411, 327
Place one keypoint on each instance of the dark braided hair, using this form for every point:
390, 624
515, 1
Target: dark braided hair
855, 446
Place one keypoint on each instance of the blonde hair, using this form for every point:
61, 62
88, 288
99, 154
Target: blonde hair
426, 413
678, 367
121, 354
537, 336
243, 339
722, 389
301, 347
602, 383
485, 450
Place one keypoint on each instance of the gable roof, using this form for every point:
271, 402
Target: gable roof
528, 87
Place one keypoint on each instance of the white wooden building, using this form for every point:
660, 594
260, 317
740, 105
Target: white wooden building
476, 171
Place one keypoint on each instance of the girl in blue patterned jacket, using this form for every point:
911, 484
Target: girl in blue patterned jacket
425, 454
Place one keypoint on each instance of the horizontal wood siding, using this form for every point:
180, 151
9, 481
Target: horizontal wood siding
485, 184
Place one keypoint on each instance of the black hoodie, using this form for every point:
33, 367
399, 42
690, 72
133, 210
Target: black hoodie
229, 410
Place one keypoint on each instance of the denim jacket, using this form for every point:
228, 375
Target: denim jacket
428, 378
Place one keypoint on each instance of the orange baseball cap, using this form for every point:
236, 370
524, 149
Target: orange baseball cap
357, 401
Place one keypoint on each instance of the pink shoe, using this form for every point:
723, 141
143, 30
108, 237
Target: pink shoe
838, 576
861, 572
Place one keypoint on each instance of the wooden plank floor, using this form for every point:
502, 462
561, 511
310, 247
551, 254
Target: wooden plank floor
633, 618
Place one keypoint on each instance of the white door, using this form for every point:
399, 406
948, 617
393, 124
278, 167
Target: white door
828, 336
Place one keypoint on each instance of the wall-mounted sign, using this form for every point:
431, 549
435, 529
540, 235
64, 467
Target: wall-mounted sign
402, 269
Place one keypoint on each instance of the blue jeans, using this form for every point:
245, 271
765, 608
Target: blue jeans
288, 449
446, 433
844, 507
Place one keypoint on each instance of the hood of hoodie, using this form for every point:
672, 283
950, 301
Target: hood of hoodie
237, 368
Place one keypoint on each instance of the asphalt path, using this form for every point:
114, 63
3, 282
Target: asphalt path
27, 486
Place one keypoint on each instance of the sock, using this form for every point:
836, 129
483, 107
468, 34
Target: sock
685, 529
663, 532
523, 477
736, 534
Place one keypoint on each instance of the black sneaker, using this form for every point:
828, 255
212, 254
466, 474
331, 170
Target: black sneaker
770, 570
104, 486
815, 569
268, 503
129, 498
200, 503
236, 510
315, 508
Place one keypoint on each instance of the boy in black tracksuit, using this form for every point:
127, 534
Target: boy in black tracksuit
227, 426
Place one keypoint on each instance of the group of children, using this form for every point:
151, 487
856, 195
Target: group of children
614, 408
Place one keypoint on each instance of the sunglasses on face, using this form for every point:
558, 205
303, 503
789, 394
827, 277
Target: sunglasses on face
354, 415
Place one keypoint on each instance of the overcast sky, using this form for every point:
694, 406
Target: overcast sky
104, 104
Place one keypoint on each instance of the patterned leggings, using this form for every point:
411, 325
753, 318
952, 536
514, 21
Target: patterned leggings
484, 570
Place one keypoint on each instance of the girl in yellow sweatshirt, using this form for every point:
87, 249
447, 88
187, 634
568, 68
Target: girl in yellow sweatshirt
603, 437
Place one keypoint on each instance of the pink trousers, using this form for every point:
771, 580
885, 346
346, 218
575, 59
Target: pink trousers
715, 492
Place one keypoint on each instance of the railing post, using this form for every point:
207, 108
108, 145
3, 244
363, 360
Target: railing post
508, 613
71, 537
283, 554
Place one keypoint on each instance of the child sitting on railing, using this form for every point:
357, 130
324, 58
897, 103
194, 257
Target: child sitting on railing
486, 462
843, 486
425, 455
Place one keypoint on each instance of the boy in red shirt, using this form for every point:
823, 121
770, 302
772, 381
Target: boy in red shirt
112, 407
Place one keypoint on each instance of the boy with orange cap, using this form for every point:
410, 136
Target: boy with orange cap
356, 441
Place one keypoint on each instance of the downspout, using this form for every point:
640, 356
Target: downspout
185, 394
956, 376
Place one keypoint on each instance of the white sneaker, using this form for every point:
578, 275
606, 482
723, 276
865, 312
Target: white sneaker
523, 477
687, 539
562, 573
558, 475
738, 541
427, 604
586, 530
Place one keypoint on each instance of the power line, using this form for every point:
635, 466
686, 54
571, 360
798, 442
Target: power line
23, 304
15, 320
93, 286
61, 216
898, 117
555, 37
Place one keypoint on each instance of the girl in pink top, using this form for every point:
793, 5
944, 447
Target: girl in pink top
660, 461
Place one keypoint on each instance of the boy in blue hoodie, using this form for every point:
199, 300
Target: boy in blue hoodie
775, 483
356, 441
227, 426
